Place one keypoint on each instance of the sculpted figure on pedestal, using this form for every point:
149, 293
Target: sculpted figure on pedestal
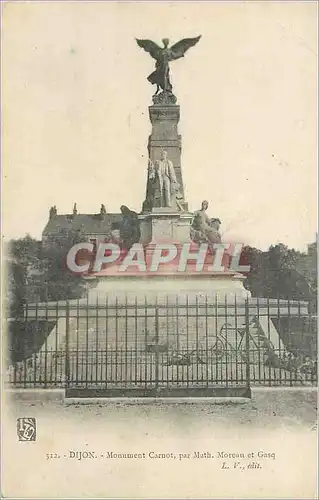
204, 229
129, 228
162, 187
163, 55
168, 185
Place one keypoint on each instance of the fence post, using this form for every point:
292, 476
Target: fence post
156, 346
247, 344
67, 331
25, 348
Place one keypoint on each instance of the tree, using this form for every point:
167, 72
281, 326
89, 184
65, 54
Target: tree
255, 281
281, 272
36, 272
59, 282
16, 289
23, 267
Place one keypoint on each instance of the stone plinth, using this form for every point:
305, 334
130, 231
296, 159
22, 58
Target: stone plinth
216, 285
163, 268
164, 226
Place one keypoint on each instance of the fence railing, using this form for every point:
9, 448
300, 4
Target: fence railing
163, 342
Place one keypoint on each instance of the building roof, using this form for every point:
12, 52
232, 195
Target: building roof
89, 223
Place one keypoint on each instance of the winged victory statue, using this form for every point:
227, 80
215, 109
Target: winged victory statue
163, 56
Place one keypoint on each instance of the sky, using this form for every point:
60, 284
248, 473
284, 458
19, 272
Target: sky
75, 112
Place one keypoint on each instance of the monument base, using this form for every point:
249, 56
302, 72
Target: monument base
217, 285
163, 225
170, 269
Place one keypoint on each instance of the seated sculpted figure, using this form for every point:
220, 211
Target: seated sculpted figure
204, 229
130, 232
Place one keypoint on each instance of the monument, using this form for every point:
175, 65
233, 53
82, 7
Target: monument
165, 217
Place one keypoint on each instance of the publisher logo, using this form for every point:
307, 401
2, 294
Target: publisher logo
26, 429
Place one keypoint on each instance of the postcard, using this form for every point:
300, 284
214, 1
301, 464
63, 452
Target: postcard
159, 249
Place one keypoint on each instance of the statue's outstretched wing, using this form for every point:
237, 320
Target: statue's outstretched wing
151, 47
178, 50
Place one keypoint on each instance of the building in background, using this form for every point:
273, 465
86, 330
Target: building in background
95, 227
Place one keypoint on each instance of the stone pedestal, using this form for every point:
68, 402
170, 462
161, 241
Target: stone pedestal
164, 226
165, 284
164, 119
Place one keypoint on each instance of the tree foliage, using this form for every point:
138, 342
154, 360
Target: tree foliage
282, 272
58, 281
38, 272
22, 257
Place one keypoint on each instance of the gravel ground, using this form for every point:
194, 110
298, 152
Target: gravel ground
270, 408
278, 423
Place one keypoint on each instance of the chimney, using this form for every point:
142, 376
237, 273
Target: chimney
52, 212
102, 211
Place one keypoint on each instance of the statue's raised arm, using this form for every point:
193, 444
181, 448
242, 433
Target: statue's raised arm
163, 55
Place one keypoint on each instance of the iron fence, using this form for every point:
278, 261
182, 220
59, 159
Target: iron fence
189, 344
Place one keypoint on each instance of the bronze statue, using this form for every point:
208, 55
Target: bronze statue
163, 56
